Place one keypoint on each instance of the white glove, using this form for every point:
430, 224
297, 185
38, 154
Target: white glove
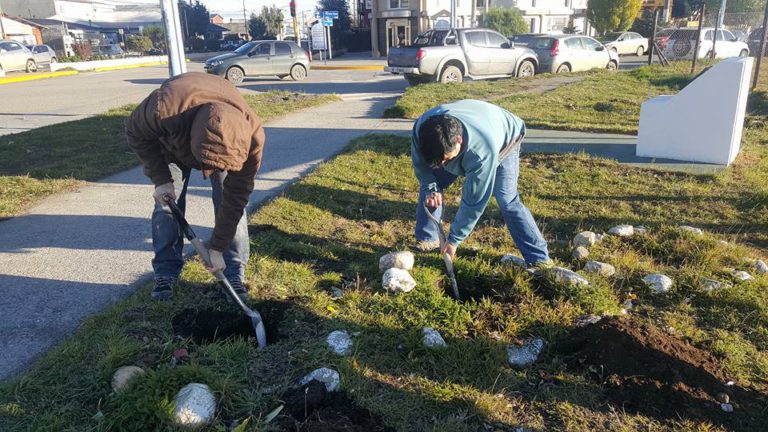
217, 261
161, 191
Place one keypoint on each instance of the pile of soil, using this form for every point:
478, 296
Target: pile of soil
644, 369
208, 325
311, 408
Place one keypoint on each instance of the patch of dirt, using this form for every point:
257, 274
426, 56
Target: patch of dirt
208, 325
644, 369
312, 408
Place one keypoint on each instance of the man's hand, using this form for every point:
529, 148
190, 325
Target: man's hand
217, 261
435, 200
449, 249
163, 190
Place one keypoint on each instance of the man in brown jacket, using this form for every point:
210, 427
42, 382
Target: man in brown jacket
198, 121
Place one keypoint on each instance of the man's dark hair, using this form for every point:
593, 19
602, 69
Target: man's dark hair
438, 135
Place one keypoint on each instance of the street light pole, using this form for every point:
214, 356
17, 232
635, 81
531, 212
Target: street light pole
245, 23
176, 65
2, 27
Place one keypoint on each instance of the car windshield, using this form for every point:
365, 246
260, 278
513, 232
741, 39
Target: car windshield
245, 48
541, 43
611, 36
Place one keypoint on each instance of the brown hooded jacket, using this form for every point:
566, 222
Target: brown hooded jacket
201, 121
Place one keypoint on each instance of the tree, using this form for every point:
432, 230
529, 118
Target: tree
612, 15
257, 27
736, 6
156, 34
644, 23
505, 21
194, 19
139, 44
273, 18
343, 23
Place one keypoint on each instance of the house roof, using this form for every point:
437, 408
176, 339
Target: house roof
215, 28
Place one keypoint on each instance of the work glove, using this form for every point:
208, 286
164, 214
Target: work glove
162, 190
217, 261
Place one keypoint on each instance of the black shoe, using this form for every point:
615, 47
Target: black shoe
240, 290
163, 289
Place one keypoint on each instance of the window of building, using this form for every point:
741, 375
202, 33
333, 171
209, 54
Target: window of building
557, 24
398, 4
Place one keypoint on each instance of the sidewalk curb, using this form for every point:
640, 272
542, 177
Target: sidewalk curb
361, 67
132, 66
36, 77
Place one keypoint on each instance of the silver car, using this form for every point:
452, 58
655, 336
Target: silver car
572, 53
259, 58
626, 43
16, 57
43, 54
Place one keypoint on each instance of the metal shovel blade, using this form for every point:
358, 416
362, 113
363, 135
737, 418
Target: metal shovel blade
256, 322
446, 258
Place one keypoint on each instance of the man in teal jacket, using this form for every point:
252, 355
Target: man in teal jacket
481, 142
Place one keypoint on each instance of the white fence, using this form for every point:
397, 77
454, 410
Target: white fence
99, 64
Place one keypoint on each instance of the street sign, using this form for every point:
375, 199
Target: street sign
327, 22
331, 14
318, 37
442, 24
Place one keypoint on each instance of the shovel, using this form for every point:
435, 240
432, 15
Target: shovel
446, 258
256, 322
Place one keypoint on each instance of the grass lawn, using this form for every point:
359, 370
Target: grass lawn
328, 231
52, 159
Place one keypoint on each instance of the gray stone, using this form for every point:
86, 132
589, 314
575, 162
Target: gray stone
712, 284
327, 376
723, 397
601, 268
622, 230
726, 407
336, 293
742, 275
658, 282
431, 338
195, 406
600, 237
398, 280
723, 242
692, 230
340, 342
123, 375
580, 253
514, 260
525, 354
585, 238
585, 320
639, 229
761, 267
563, 275
401, 259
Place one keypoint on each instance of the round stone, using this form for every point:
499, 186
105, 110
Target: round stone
401, 259
123, 375
658, 282
340, 342
580, 253
585, 238
397, 280
432, 338
195, 406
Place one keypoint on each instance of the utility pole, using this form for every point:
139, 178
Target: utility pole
761, 53
472, 20
453, 13
702, 13
176, 60
652, 42
718, 26
245, 23
2, 27
296, 34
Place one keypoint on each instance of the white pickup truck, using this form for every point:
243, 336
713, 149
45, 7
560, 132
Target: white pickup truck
449, 56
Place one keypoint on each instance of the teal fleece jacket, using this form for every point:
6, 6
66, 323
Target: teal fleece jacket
487, 130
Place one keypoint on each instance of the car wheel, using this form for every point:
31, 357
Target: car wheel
563, 68
298, 72
526, 69
31, 66
743, 53
640, 51
235, 75
451, 74
612, 65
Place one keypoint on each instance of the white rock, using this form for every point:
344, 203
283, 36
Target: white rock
526, 354
723, 242
585, 238
401, 259
711, 284
195, 406
514, 260
600, 237
726, 407
431, 338
691, 229
327, 376
601, 268
123, 375
563, 275
761, 267
340, 342
580, 252
585, 320
622, 230
742, 275
640, 229
659, 282
396, 279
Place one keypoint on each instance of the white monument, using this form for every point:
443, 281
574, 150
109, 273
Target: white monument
702, 123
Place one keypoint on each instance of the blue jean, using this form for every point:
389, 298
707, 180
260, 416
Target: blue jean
168, 239
522, 227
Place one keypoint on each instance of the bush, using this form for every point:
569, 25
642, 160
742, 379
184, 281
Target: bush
139, 44
84, 50
212, 44
505, 21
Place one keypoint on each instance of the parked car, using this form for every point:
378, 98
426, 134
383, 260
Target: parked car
450, 56
16, 57
572, 53
739, 35
683, 42
754, 40
259, 58
231, 44
662, 37
525, 38
43, 54
626, 43
110, 51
